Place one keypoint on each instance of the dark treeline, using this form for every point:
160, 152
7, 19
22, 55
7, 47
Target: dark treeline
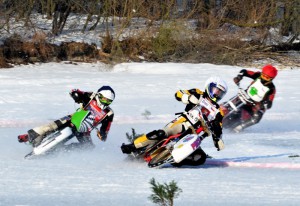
209, 13
162, 40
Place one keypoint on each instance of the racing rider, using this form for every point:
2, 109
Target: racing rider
101, 113
195, 100
262, 92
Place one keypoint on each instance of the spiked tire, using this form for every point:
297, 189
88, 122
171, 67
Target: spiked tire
161, 158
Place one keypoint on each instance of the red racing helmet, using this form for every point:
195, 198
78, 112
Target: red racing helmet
269, 71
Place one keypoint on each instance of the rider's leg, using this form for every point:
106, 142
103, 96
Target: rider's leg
142, 141
152, 137
256, 117
156, 135
175, 127
36, 135
84, 141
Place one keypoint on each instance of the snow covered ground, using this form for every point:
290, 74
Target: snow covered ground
35, 94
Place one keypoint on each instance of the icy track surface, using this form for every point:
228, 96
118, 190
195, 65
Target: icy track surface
257, 167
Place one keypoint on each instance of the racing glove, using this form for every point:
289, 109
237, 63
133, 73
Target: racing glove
101, 135
237, 79
218, 142
267, 104
75, 95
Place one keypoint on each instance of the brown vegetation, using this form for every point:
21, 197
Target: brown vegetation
16, 51
217, 35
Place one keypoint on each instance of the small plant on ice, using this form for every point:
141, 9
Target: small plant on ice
146, 114
164, 194
133, 136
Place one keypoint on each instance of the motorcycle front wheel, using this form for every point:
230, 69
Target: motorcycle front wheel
164, 157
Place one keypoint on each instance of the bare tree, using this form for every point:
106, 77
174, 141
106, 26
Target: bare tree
291, 23
62, 10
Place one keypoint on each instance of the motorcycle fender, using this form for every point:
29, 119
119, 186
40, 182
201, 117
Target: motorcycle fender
52, 142
78, 117
185, 147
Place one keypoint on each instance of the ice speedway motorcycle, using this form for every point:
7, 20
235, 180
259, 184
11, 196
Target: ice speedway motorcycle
233, 113
59, 140
176, 148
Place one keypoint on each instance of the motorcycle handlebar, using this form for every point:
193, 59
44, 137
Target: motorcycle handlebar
244, 96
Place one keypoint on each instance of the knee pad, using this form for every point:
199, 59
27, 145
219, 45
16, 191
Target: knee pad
257, 117
161, 134
152, 135
62, 123
156, 134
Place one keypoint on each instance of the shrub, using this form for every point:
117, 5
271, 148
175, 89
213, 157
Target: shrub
164, 194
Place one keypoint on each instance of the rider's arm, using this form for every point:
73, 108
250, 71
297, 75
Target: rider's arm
246, 73
270, 97
80, 96
105, 126
188, 96
249, 73
216, 128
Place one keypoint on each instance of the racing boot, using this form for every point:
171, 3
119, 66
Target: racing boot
128, 148
238, 128
253, 120
30, 137
244, 125
37, 134
23, 138
34, 138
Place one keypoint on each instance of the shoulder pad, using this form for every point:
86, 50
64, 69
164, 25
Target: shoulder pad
199, 91
221, 112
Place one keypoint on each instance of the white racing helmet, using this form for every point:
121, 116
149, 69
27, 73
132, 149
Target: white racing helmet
105, 96
216, 88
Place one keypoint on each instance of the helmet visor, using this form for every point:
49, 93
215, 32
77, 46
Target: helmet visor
265, 77
217, 93
104, 100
